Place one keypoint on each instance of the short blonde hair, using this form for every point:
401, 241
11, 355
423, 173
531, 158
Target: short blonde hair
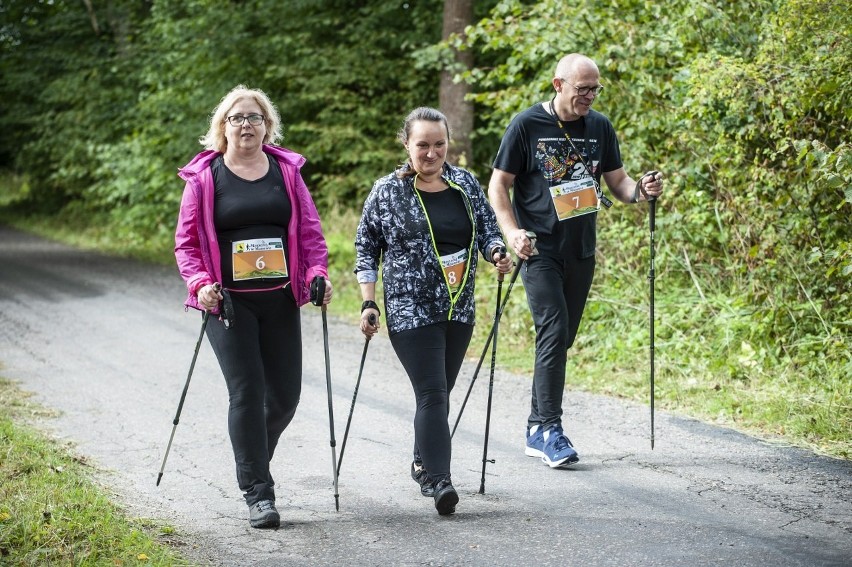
215, 139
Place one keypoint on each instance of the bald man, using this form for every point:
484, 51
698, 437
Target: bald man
553, 156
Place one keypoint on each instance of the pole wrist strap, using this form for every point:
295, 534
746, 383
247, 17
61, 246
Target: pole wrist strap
370, 304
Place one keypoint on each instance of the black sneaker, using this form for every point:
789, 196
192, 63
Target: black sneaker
421, 477
445, 496
263, 514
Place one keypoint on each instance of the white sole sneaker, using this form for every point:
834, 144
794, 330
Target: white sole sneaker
533, 452
561, 463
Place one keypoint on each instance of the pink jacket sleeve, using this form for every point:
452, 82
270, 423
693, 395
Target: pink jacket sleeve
188, 245
311, 239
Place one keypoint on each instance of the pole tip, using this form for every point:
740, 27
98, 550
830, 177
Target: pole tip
159, 477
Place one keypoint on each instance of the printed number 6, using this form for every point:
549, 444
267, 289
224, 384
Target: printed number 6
259, 263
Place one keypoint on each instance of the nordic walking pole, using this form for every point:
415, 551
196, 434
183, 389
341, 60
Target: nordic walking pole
652, 213
176, 420
317, 294
485, 459
514, 277
652, 221
487, 344
372, 320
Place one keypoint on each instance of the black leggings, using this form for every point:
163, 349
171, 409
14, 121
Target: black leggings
261, 359
432, 356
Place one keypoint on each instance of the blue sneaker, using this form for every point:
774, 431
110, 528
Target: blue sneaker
558, 450
535, 442
551, 446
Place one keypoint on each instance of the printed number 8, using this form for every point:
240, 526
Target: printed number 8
451, 277
259, 263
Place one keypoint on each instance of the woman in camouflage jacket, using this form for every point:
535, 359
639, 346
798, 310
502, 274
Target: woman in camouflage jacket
425, 223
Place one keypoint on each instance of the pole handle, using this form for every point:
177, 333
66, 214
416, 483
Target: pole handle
371, 319
318, 291
639, 189
502, 251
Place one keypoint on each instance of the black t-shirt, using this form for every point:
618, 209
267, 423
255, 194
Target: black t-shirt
249, 210
450, 222
535, 150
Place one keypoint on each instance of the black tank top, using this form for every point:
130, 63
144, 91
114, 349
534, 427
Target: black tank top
450, 222
249, 210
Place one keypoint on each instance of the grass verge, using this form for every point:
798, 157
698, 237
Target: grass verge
52, 509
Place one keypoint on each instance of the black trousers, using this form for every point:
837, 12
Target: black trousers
557, 287
432, 357
261, 359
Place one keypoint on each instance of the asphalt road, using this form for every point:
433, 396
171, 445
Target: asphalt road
107, 343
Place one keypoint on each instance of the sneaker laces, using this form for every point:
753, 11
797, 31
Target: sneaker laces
265, 505
561, 443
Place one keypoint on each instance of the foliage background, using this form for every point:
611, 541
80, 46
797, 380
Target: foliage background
744, 104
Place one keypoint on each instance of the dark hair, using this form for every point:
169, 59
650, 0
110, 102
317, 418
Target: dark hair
426, 113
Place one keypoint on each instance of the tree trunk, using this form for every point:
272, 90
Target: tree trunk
459, 112
94, 19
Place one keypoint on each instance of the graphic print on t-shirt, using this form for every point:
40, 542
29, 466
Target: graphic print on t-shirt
572, 188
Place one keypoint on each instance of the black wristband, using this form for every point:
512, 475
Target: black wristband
370, 304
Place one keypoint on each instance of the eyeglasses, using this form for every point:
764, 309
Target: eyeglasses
253, 119
583, 91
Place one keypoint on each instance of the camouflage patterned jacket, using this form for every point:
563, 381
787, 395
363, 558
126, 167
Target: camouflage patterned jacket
394, 231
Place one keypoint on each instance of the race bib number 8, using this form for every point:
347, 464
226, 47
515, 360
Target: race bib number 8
575, 198
454, 266
259, 258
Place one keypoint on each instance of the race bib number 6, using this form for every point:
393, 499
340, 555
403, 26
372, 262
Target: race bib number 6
259, 258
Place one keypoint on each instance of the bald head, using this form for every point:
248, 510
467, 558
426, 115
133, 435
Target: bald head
570, 66
575, 73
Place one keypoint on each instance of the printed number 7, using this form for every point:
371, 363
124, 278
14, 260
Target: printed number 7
576, 202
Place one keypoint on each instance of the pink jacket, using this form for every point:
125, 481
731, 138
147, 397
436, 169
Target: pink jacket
196, 247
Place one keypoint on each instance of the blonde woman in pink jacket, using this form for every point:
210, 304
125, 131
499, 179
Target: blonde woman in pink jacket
248, 234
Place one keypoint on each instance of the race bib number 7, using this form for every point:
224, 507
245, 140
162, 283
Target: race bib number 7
259, 258
575, 198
